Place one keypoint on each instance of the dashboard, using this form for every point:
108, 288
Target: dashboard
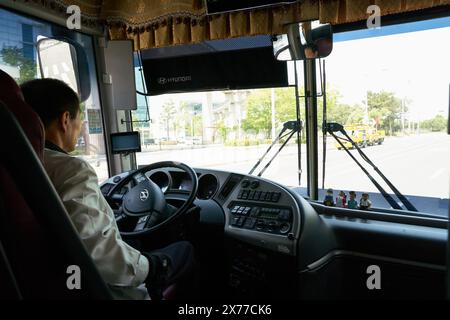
254, 210
273, 235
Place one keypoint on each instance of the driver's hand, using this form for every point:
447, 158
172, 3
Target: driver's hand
169, 264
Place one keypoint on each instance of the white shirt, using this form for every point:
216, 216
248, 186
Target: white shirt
122, 267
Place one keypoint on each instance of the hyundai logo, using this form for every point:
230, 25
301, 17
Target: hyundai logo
143, 195
162, 81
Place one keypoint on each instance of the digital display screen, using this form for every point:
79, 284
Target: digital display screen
125, 142
268, 215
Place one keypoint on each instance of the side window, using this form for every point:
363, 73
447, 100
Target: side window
393, 102
18, 58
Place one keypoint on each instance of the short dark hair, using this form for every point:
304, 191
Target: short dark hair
50, 98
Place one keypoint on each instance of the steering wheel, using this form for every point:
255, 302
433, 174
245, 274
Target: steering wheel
147, 201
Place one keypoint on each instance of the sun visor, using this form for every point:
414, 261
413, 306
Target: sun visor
216, 66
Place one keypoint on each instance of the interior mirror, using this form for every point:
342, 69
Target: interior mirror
65, 60
303, 42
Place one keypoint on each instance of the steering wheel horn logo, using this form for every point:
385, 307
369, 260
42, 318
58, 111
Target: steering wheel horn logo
143, 195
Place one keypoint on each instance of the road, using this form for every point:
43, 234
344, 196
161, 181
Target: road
416, 165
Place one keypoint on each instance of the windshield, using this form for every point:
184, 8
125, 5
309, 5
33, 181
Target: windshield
226, 130
392, 99
382, 86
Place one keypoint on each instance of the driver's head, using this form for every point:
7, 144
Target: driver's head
58, 106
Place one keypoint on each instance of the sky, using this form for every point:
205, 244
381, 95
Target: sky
414, 65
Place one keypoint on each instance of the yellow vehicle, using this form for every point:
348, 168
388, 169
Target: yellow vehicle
363, 136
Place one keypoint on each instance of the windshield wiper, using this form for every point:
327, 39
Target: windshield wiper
293, 127
336, 127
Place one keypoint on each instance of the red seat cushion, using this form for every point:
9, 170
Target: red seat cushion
11, 96
37, 269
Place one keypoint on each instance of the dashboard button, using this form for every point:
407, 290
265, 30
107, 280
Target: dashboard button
250, 223
245, 183
275, 196
268, 196
235, 221
251, 195
285, 227
285, 215
254, 184
260, 224
235, 209
255, 211
257, 195
245, 194
241, 222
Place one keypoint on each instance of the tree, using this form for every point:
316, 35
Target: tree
259, 109
259, 114
285, 105
438, 123
385, 108
222, 129
167, 116
13, 56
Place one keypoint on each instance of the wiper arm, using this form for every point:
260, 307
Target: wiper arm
293, 127
336, 127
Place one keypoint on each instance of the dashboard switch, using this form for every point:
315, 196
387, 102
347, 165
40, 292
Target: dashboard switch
245, 183
275, 197
285, 227
250, 223
254, 184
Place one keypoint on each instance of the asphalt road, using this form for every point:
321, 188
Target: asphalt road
416, 165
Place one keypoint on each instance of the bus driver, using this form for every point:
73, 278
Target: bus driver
126, 270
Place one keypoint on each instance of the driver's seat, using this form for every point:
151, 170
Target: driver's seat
38, 242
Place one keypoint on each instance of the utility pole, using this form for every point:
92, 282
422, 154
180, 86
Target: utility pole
273, 113
403, 116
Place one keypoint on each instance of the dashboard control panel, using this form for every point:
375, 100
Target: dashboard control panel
277, 220
268, 196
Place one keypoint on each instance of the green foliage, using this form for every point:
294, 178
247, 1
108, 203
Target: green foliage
337, 112
259, 110
438, 123
386, 109
223, 130
247, 142
13, 56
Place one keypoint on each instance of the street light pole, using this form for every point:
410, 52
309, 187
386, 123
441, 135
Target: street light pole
273, 113
403, 116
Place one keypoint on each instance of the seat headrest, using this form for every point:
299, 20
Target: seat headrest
12, 97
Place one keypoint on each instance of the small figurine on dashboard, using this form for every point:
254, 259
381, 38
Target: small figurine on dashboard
341, 200
329, 201
352, 203
365, 203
